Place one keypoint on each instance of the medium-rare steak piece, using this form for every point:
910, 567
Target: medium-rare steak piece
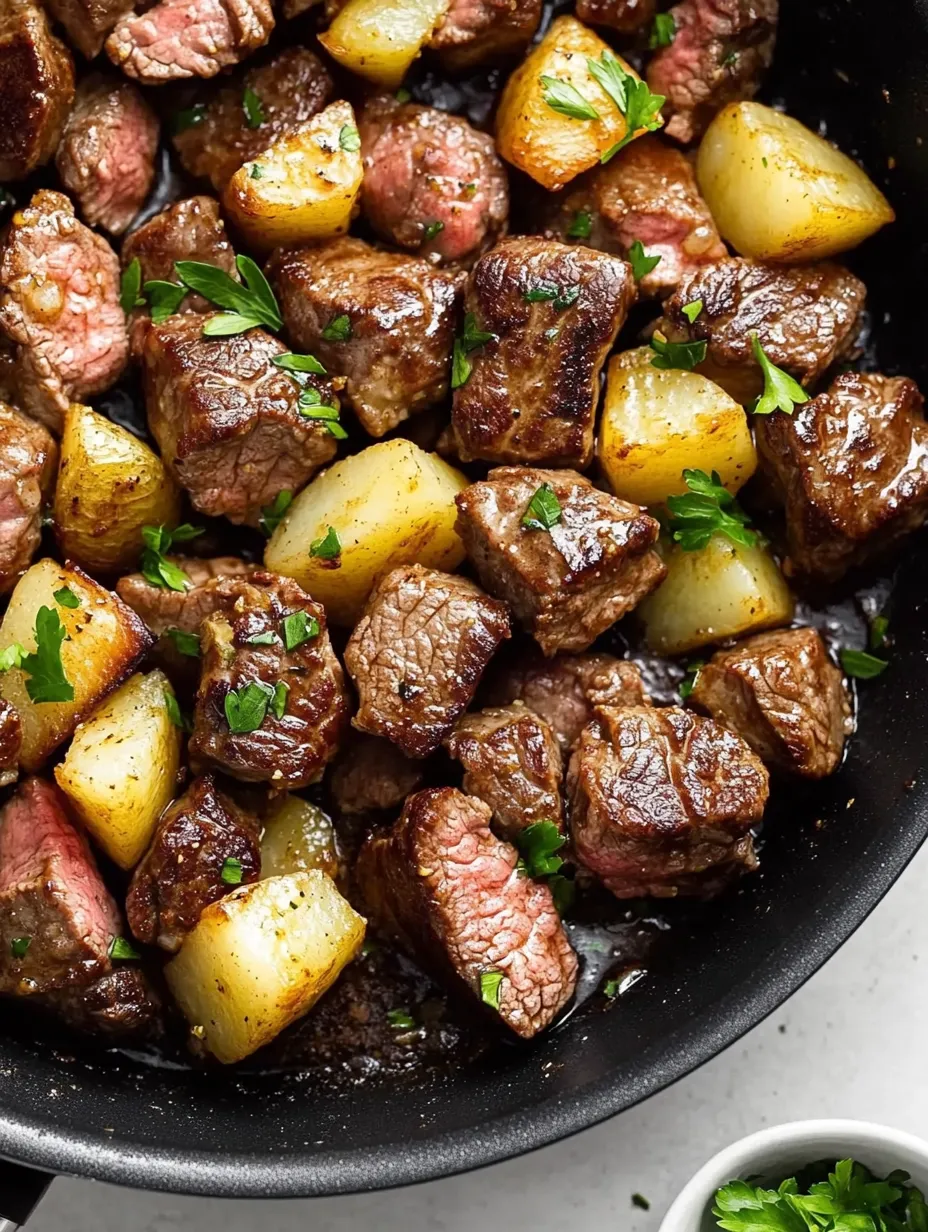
11, 739
661, 802
291, 89
485, 31
227, 420
851, 467
106, 158
177, 38
552, 312
88, 22
62, 328
627, 16
182, 871
417, 654
566, 582
38, 88
719, 54
451, 894
432, 183
57, 918
383, 320
272, 705
121, 1005
512, 763
371, 775
782, 694
28, 462
209, 591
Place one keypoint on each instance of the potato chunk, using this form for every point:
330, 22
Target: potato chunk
391, 504
657, 422
779, 192
304, 187
298, 836
379, 39
260, 958
120, 770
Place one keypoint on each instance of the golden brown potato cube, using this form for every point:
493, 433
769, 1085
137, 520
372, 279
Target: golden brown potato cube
379, 39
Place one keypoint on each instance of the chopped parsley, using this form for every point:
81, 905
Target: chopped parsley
663, 31
544, 292
688, 683
432, 229
706, 510
692, 310
279, 700
164, 298
267, 638
12, 656
566, 99
401, 1019
65, 597
328, 547
257, 171
232, 871
338, 329
121, 948
19, 946
311, 406
298, 628
490, 982
543, 511
403, 95
349, 139
538, 845
246, 708
860, 664
567, 296
640, 262
130, 286
186, 643
174, 712
272, 515
156, 568
640, 108
189, 117
581, 226
45, 678
638, 1199
781, 392
879, 627
684, 355
249, 303
253, 108
611, 989
291, 362
469, 340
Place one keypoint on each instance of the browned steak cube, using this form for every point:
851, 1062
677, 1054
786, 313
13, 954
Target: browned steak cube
450, 893
628, 16
88, 22
38, 87
661, 802
553, 312
182, 871
121, 1005
383, 320
720, 53
570, 582
512, 763
372, 775
227, 420
291, 89
272, 705
106, 158
784, 696
62, 327
28, 462
11, 739
57, 918
852, 469
432, 183
176, 38
485, 31
163, 609
417, 654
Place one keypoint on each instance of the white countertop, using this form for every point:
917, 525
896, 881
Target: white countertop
851, 1043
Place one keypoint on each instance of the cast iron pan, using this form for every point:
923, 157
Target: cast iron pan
859, 66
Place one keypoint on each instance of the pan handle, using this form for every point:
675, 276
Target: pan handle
21, 1190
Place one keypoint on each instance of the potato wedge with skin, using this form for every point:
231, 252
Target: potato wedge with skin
379, 39
110, 485
260, 958
120, 770
554, 148
298, 836
105, 641
779, 192
723, 590
303, 187
391, 504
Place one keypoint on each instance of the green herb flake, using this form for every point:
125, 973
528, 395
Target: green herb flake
541, 293
121, 948
432, 229
861, 665
663, 31
155, 566
469, 191
731, 58
246, 708
566, 99
403, 95
692, 310
781, 392
248, 303
538, 845
291, 362
581, 226
563, 891
611, 989
12, 656
174, 712
268, 638
46, 681
311, 406
328, 547
298, 628
688, 683
764, 161
879, 627
632, 97
470, 339
401, 1019
257, 172
185, 643
164, 298
490, 984
349, 139
272, 515
189, 117
65, 597
130, 286
279, 700
706, 510
338, 329
232, 871
685, 355
19, 946
544, 510
567, 297
637, 1199
253, 108
640, 262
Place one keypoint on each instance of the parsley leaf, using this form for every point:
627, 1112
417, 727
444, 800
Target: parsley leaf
186, 643
257, 172
65, 597
19, 946
272, 515
232, 871
249, 302
879, 627
490, 982
470, 339
328, 547
291, 362
563, 891
156, 568
632, 97
403, 95
780, 390
298, 628
311, 406
663, 31
267, 638
279, 700
401, 1019
338, 329
581, 226
121, 948
190, 117
246, 708
538, 845
566, 99
253, 108
174, 712
707, 509
611, 989
12, 656
46, 681
541, 293
349, 139
692, 310
688, 683
861, 665
638, 1199
164, 298
609, 74
567, 296
640, 262
544, 510
684, 355
432, 229
130, 284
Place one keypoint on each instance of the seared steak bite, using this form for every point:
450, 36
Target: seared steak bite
62, 328
163, 609
28, 461
661, 802
784, 696
383, 320
719, 54
177, 38
227, 420
485, 31
272, 705
432, 183
120, 1005
553, 312
11, 739
451, 894
627, 16
57, 918
851, 467
512, 763
38, 87
181, 873
88, 22
417, 654
372, 775
568, 583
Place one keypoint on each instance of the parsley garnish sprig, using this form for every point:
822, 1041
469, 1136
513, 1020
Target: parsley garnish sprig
249, 303
566, 99
781, 391
156, 568
470, 339
707, 509
632, 97
45, 678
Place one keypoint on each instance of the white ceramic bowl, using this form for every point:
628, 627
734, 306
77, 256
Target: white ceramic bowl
778, 1152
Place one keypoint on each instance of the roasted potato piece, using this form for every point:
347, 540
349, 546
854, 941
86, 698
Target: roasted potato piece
553, 148
379, 39
391, 504
298, 836
303, 187
110, 485
779, 192
104, 641
260, 958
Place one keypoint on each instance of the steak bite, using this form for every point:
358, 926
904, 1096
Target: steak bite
227, 420
553, 312
626, 16
661, 802
417, 654
851, 467
383, 320
371, 776
88, 22
120, 1005
272, 705
432, 183
512, 763
163, 609
62, 328
485, 31
38, 88
452, 895
11, 739
568, 583
782, 694
720, 53
181, 873
106, 158
57, 918
177, 38
28, 463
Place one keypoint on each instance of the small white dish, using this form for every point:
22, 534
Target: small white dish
780, 1151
